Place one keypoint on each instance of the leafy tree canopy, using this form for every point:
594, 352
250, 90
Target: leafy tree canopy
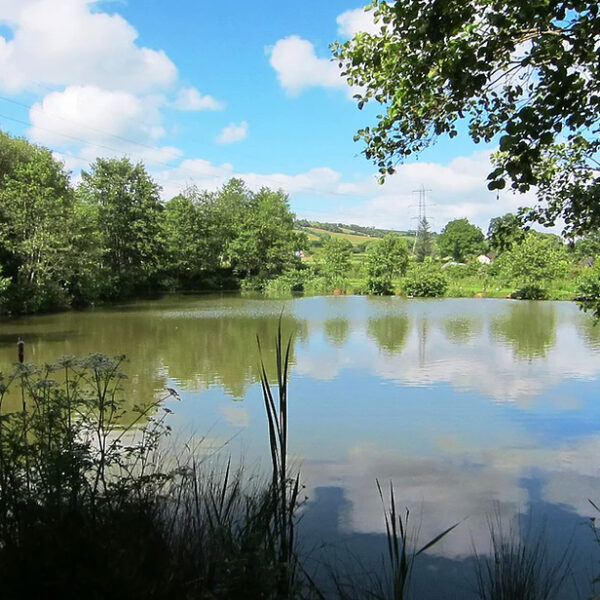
129, 221
505, 231
524, 71
533, 263
267, 241
36, 216
385, 259
460, 239
336, 257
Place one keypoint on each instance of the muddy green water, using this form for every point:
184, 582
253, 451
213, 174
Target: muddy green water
468, 406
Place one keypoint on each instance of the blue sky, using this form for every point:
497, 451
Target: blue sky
204, 91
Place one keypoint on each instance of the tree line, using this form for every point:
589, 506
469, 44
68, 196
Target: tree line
111, 237
462, 261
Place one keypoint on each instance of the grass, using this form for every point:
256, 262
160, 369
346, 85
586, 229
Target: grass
91, 507
520, 566
402, 547
315, 233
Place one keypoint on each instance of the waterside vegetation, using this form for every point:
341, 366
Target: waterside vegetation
94, 503
111, 237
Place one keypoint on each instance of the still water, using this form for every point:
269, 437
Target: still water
470, 406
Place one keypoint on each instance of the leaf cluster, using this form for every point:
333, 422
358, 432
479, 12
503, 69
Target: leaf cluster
523, 74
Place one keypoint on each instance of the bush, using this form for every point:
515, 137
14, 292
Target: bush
91, 506
588, 284
530, 292
292, 281
425, 280
462, 271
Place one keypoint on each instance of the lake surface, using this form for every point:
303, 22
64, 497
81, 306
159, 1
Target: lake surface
470, 406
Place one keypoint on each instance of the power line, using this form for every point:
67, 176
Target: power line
80, 124
117, 151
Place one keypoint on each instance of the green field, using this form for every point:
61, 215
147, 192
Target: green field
318, 230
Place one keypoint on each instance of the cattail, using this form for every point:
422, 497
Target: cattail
21, 350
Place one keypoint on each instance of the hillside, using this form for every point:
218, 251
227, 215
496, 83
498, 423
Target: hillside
356, 234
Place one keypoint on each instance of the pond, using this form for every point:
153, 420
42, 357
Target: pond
471, 407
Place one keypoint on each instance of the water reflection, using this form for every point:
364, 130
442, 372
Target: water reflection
461, 330
464, 404
197, 344
389, 332
530, 328
337, 330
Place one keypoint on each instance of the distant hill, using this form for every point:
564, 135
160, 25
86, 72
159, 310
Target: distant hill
356, 234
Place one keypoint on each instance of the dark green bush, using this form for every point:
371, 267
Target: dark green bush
425, 280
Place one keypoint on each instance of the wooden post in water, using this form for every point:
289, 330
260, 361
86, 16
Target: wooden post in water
21, 349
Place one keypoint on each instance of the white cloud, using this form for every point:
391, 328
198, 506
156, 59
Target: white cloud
233, 133
298, 67
191, 99
458, 189
206, 175
320, 180
101, 123
65, 42
356, 20
198, 172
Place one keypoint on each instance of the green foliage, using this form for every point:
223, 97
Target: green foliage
588, 246
424, 243
460, 240
113, 237
524, 72
129, 214
36, 214
267, 242
588, 289
588, 284
385, 259
292, 280
75, 482
425, 280
91, 506
504, 232
4, 285
336, 258
534, 263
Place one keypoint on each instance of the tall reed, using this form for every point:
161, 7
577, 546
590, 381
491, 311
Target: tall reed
402, 546
520, 567
285, 489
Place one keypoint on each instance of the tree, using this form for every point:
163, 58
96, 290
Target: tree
505, 231
267, 241
534, 263
195, 235
589, 245
129, 215
523, 72
424, 241
385, 258
232, 206
36, 214
461, 239
336, 258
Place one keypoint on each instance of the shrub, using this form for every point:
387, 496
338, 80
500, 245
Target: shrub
425, 280
588, 284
